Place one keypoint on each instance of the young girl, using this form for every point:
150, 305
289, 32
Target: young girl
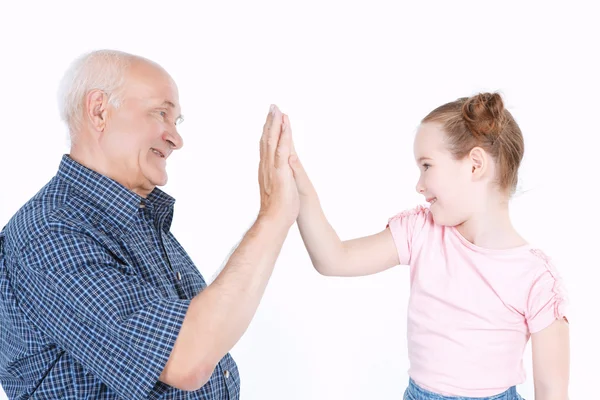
478, 289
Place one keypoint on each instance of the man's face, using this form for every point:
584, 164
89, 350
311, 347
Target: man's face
141, 134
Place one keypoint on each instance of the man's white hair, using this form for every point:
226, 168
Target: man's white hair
101, 69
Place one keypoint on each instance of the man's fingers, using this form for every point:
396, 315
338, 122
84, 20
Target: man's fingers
265, 134
273, 134
269, 120
284, 146
286, 121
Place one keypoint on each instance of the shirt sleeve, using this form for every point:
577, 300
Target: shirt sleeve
547, 299
99, 310
404, 227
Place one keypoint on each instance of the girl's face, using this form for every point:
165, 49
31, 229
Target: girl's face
449, 185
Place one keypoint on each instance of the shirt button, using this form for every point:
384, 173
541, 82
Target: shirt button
178, 275
226, 374
142, 205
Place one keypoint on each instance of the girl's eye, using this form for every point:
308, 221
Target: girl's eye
426, 166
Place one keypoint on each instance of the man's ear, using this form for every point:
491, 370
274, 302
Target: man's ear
96, 104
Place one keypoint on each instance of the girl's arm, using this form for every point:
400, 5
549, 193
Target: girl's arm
550, 348
329, 255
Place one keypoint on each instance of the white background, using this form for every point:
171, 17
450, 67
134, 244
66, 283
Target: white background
355, 78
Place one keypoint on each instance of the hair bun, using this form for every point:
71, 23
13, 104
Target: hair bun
484, 114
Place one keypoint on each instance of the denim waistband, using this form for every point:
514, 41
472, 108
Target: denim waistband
414, 392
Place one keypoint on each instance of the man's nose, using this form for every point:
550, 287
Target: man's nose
174, 139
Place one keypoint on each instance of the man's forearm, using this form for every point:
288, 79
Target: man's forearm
223, 311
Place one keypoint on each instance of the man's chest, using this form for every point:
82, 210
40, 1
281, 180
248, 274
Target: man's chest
158, 258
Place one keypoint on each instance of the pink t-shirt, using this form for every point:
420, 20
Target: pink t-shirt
471, 310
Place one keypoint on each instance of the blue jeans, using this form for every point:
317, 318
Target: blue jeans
414, 392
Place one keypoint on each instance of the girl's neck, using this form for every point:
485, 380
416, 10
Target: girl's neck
490, 227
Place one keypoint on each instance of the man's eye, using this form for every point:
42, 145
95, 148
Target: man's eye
163, 114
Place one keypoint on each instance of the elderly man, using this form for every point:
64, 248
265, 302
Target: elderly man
97, 297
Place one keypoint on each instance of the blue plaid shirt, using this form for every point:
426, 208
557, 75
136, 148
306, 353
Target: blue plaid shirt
93, 291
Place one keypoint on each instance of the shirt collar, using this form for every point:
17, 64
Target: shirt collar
108, 195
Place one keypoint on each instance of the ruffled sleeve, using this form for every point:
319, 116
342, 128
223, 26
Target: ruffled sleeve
547, 299
404, 227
